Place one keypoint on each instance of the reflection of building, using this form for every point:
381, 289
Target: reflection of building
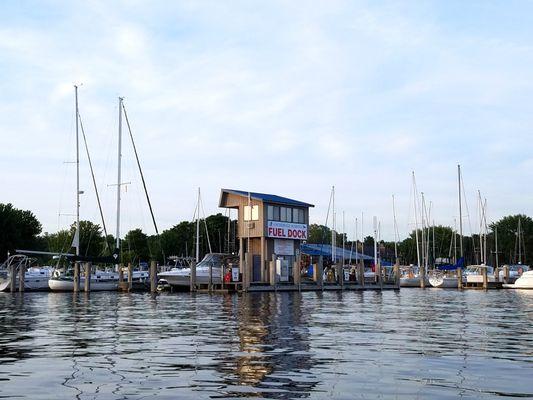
268, 225
274, 350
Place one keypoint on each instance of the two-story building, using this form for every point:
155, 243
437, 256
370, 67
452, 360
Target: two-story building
268, 225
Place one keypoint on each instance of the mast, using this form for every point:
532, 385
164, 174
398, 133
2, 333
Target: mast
77, 233
333, 233
496, 245
460, 213
198, 228
376, 245
395, 231
416, 221
119, 174
519, 243
422, 212
343, 234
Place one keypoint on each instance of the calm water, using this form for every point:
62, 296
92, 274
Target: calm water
410, 344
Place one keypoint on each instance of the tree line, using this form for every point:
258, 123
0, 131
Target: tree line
20, 229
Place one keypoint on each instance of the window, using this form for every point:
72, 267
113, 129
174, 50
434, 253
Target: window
301, 216
270, 213
251, 213
283, 214
276, 213
295, 215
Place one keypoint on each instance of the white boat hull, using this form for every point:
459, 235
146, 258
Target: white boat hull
444, 282
64, 285
412, 282
524, 282
34, 280
182, 277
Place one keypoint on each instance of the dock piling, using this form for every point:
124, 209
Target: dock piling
22, 275
459, 278
130, 276
153, 276
506, 274
192, 277
88, 267
485, 278
320, 272
76, 282
422, 276
13, 278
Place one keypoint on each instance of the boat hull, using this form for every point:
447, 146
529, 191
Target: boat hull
64, 285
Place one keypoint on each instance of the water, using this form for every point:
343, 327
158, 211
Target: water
411, 344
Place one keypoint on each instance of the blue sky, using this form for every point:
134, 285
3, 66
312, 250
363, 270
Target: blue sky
281, 97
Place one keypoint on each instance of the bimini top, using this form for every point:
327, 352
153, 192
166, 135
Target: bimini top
266, 198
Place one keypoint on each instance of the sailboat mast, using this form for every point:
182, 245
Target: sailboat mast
416, 221
119, 173
198, 228
395, 231
77, 174
460, 214
519, 243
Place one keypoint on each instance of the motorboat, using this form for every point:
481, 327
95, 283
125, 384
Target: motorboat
63, 281
515, 272
524, 282
35, 277
474, 274
211, 263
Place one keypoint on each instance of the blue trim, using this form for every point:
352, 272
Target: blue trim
268, 198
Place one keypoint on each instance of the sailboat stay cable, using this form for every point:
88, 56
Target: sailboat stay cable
94, 182
205, 223
140, 169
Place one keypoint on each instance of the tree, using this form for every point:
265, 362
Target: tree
135, 247
508, 239
18, 229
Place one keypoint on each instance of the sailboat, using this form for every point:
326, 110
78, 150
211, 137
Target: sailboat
35, 277
443, 276
100, 279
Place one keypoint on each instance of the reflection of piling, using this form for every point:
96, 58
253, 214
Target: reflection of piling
22, 275
88, 267
76, 282
153, 277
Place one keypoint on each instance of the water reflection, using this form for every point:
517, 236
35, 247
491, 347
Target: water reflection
413, 343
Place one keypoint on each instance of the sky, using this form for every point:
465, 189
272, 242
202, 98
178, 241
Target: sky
282, 97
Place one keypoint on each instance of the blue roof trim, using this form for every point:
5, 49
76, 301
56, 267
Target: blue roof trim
268, 198
313, 249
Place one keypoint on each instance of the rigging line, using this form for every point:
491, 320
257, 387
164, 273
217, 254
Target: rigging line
142, 179
205, 224
140, 169
94, 182
326, 223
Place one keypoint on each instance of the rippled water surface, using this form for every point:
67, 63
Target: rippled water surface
411, 344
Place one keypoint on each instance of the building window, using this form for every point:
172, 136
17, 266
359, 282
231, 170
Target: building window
251, 213
270, 213
276, 213
295, 215
283, 214
301, 216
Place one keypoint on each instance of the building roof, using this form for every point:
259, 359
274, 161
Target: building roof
267, 198
313, 249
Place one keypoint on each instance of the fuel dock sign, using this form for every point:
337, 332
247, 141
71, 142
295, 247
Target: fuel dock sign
286, 230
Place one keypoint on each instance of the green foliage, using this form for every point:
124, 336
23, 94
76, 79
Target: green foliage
508, 240
18, 229
135, 247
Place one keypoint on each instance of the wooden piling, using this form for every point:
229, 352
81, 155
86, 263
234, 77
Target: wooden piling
272, 271
76, 282
320, 272
340, 275
153, 276
192, 277
210, 285
246, 272
396, 272
361, 268
459, 278
296, 274
120, 274
422, 273
380, 269
13, 278
485, 277
496, 274
88, 267
130, 277
506, 274
22, 276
